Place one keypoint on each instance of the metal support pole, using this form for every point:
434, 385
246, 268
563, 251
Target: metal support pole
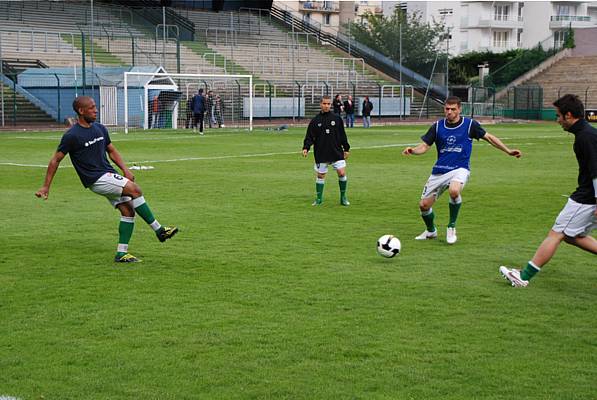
164, 37
83, 67
92, 50
379, 101
299, 100
269, 86
14, 101
400, 72
58, 95
1, 83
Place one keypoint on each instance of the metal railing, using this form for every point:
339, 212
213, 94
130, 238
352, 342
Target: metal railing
37, 40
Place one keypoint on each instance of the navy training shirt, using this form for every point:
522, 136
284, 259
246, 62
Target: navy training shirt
87, 150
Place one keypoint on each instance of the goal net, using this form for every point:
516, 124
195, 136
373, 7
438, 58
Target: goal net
166, 101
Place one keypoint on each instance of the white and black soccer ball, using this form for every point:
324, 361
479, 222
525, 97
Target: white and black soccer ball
388, 246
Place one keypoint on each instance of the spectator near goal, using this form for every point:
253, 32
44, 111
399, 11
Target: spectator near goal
199, 110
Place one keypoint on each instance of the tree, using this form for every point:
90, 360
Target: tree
420, 41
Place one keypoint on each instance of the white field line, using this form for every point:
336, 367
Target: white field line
14, 164
213, 157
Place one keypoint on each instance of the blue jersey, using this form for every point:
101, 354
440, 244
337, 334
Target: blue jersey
87, 149
454, 143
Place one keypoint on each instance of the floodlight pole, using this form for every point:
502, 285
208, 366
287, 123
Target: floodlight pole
447, 60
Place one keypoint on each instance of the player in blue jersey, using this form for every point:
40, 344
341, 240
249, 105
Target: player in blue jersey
453, 137
88, 142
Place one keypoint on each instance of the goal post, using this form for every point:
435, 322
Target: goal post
163, 100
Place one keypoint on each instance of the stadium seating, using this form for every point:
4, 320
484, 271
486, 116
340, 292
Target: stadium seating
240, 42
569, 75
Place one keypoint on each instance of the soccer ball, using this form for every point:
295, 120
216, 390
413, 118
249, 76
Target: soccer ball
388, 246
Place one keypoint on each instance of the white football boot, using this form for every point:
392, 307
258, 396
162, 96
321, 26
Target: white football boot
513, 276
451, 235
427, 235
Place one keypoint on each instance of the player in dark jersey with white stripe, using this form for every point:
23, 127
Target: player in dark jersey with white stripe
88, 142
453, 138
326, 133
578, 218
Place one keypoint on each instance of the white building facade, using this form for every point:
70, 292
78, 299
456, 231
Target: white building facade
502, 25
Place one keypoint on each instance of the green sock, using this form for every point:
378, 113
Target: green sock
143, 210
125, 231
529, 271
428, 218
454, 208
319, 189
343, 184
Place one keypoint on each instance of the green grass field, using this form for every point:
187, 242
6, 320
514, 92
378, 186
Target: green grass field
262, 296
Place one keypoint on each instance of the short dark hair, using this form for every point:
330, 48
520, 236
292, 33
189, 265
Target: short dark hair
200, 91
325, 97
79, 101
454, 100
570, 103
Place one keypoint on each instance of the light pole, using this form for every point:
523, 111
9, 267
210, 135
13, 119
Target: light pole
447, 61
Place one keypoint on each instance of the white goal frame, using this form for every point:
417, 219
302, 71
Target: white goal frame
190, 75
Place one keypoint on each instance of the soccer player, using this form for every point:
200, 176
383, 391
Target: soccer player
87, 142
326, 133
453, 137
579, 216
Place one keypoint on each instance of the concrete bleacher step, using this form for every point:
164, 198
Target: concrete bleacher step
18, 107
564, 77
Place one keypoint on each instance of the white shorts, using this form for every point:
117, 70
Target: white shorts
110, 186
322, 168
437, 184
576, 219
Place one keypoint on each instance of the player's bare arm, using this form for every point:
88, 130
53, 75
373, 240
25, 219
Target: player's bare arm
117, 158
305, 152
346, 154
44, 191
421, 148
497, 143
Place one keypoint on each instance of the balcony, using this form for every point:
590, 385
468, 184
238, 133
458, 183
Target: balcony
498, 46
320, 6
496, 21
575, 21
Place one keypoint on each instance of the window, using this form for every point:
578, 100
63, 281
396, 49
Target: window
501, 38
563, 9
446, 11
326, 19
559, 37
500, 12
520, 10
519, 38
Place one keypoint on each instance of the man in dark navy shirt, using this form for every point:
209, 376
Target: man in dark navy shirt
198, 105
326, 132
578, 218
453, 138
88, 142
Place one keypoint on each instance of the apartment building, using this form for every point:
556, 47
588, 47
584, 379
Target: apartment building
331, 15
502, 25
